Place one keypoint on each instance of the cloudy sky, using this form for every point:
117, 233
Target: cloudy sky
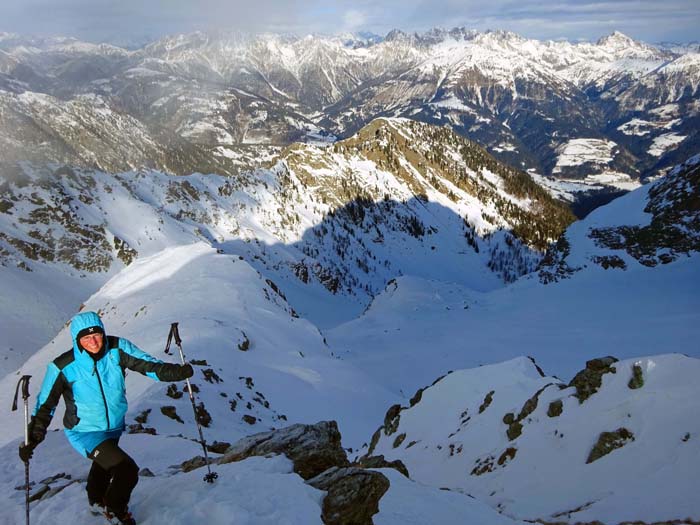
126, 20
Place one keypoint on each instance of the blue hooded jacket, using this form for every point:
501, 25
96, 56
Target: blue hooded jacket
92, 386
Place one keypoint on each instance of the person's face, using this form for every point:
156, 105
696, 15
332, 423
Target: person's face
91, 342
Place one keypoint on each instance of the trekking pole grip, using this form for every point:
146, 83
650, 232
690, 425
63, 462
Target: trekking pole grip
24, 383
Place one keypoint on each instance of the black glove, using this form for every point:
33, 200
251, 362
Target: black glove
36, 436
26, 451
187, 371
36, 432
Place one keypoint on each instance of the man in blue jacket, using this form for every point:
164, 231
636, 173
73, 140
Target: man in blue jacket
90, 377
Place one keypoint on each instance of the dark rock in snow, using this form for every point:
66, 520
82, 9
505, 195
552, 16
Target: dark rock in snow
380, 462
589, 380
637, 380
609, 441
169, 411
353, 495
192, 464
555, 408
218, 447
312, 448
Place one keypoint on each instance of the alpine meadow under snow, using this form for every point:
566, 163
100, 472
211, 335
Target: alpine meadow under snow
447, 311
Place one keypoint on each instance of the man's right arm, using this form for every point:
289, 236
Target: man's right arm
51, 390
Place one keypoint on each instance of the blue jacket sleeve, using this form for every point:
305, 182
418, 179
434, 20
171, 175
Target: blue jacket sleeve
51, 390
133, 358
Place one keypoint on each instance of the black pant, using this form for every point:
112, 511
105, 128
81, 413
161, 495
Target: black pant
112, 477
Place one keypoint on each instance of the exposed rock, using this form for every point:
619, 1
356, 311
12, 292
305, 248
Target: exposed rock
169, 411
487, 401
138, 428
380, 462
218, 447
539, 370
399, 439
244, 343
637, 380
192, 464
173, 392
146, 473
143, 416
203, 417
555, 408
514, 430
249, 419
375, 439
312, 448
392, 419
588, 381
416, 397
609, 441
515, 427
353, 495
507, 455
610, 261
489, 463
124, 252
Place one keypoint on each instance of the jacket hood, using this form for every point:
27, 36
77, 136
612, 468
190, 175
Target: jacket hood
80, 322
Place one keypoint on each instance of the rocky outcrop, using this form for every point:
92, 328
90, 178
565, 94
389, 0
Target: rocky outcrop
380, 462
515, 426
312, 448
609, 441
353, 495
637, 380
588, 381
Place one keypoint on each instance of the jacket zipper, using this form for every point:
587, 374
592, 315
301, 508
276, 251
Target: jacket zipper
104, 398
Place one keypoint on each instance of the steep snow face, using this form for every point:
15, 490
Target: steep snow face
508, 435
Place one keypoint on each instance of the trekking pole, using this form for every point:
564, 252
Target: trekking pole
175, 334
24, 381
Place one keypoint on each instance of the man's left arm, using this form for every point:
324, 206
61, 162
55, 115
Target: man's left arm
133, 358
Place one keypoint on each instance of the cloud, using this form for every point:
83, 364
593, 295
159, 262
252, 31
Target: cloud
354, 20
649, 20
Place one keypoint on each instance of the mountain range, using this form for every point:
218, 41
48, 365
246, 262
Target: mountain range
610, 113
369, 247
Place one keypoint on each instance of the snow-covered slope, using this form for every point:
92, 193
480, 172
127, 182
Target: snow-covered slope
256, 491
537, 449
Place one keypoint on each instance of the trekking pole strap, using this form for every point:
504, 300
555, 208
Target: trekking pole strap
174, 334
24, 381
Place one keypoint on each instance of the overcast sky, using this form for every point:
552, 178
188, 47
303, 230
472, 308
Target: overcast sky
126, 20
